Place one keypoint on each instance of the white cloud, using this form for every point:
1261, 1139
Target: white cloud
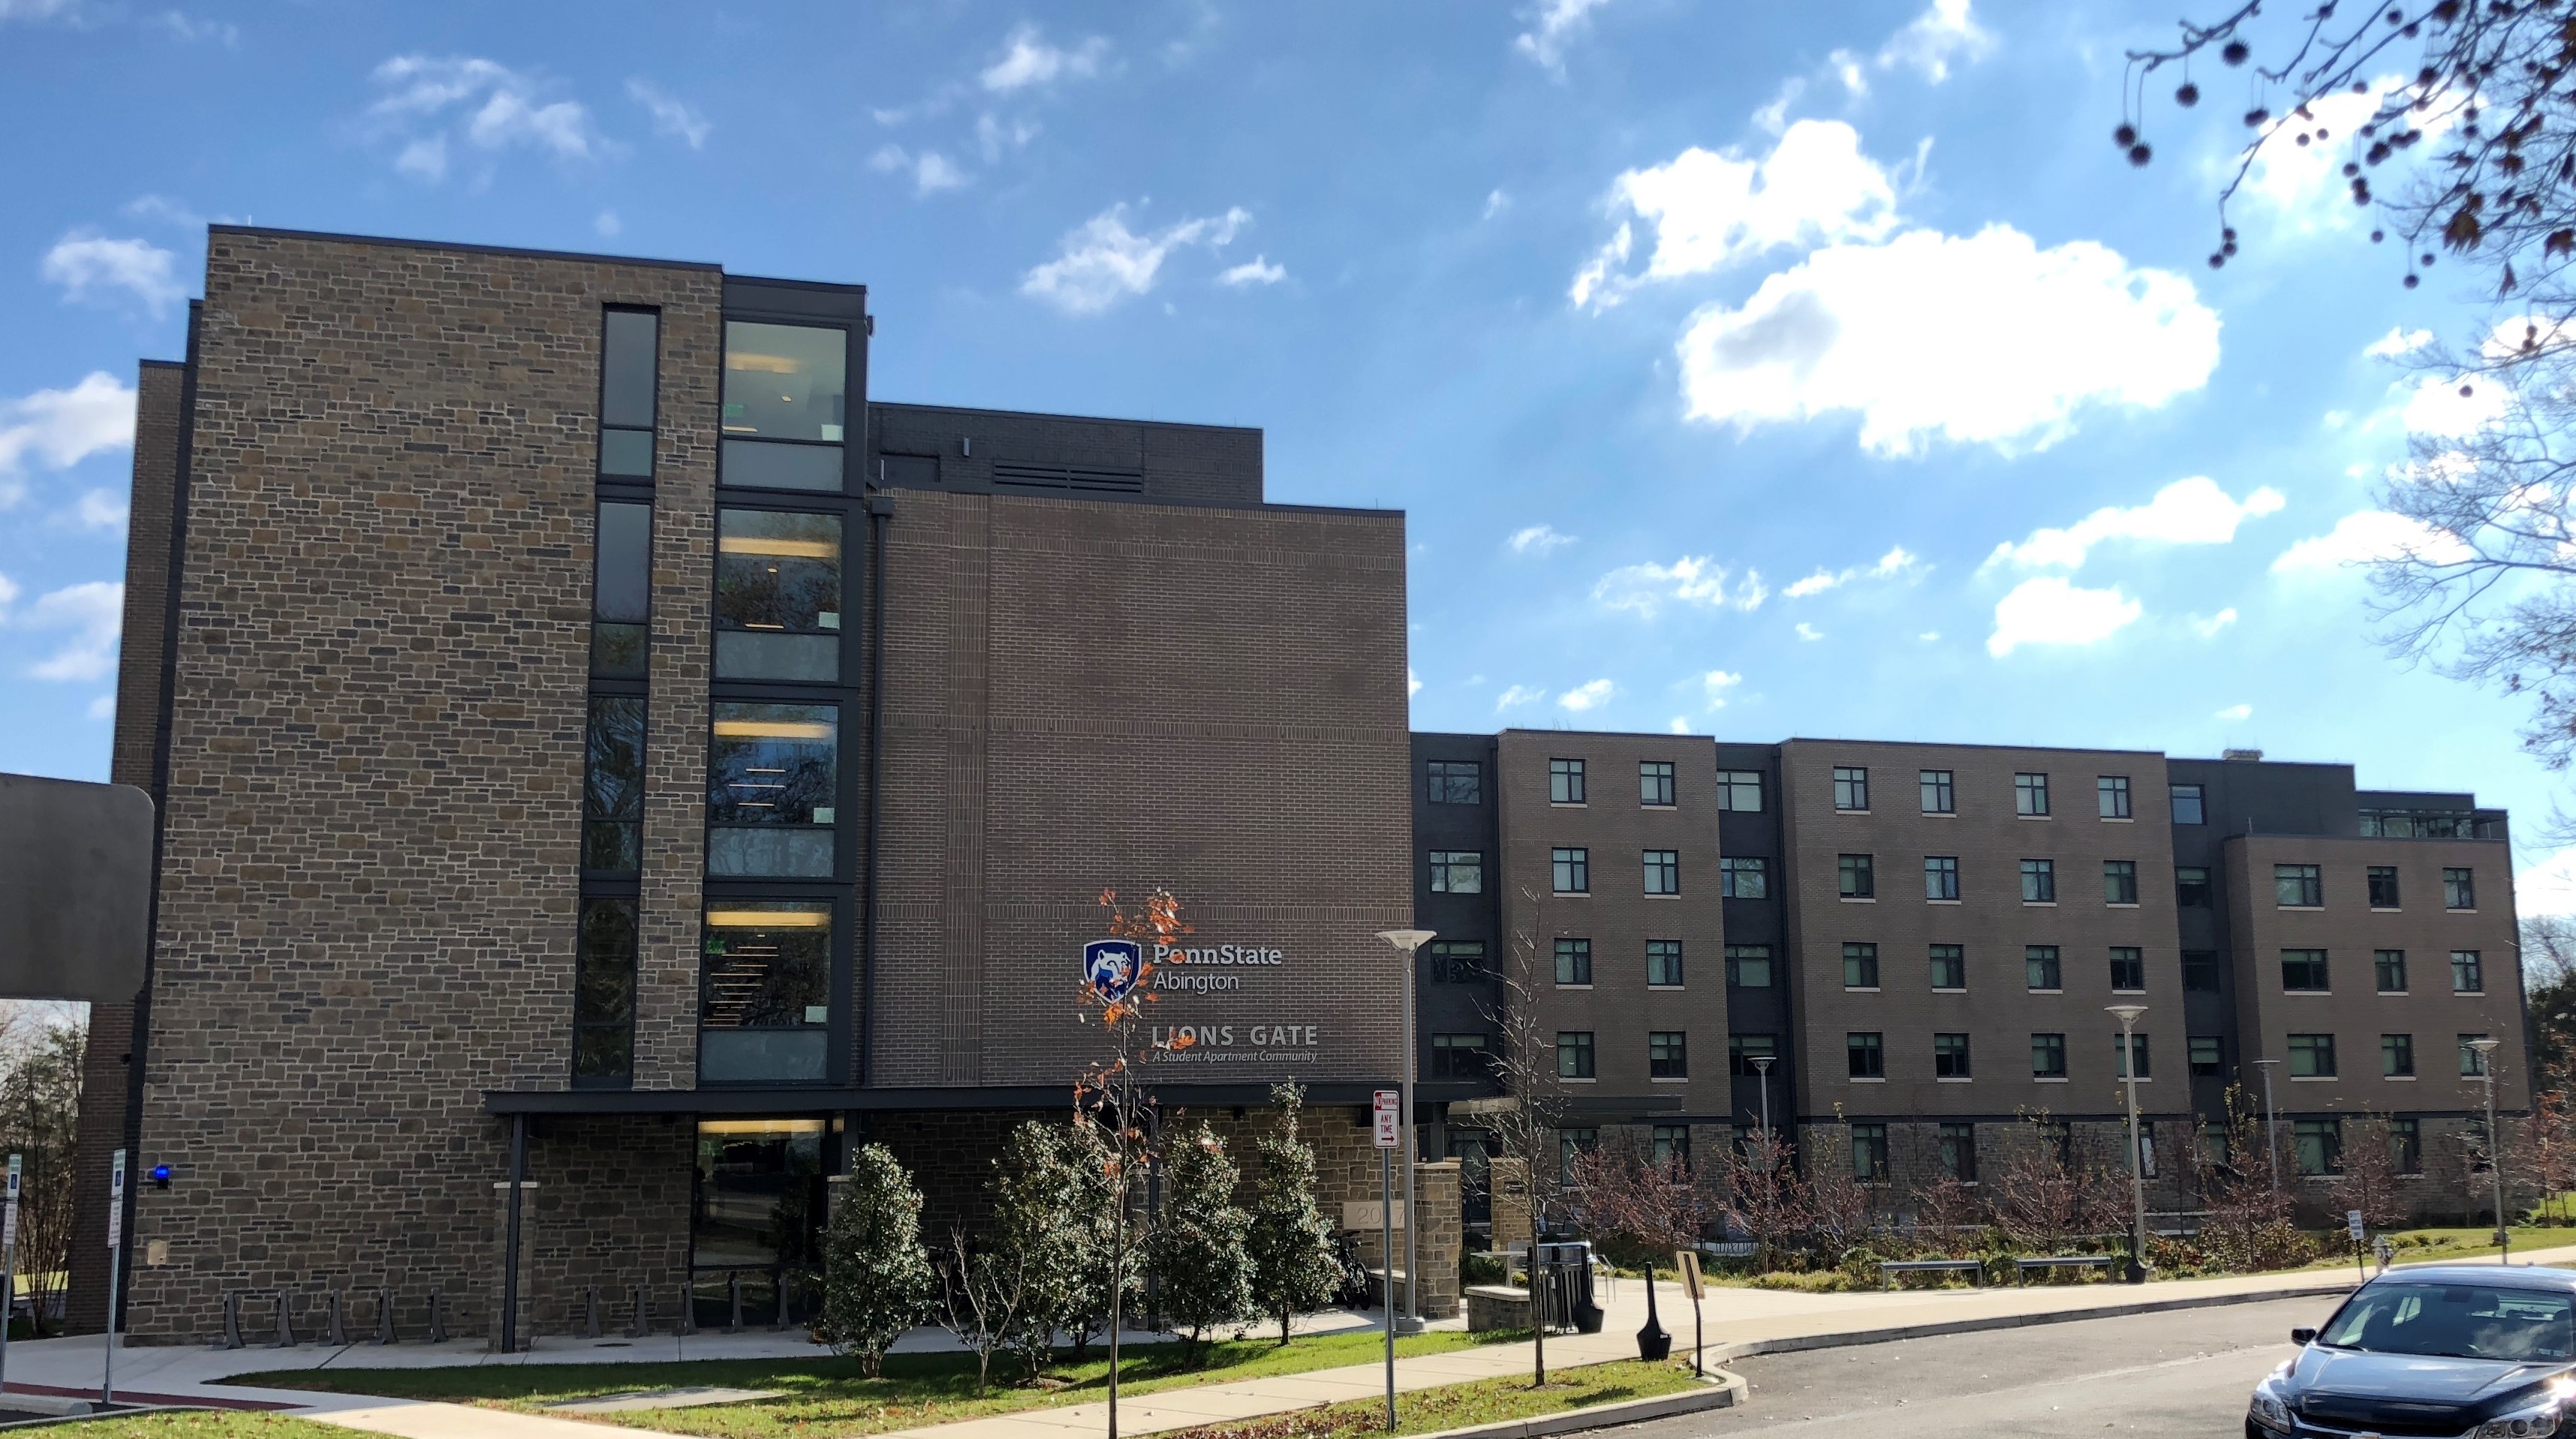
934, 172
1809, 632
94, 612
2366, 536
1255, 271
2547, 886
2193, 511
1412, 682
1928, 636
1558, 22
1709, 210
1104, 262
2451, 409
8, 586
1934, 39
1027, 59
1717, 683
57, 429
607, 224
1588, 696
2209, 628
1897, 561
1986, 339
103, 707
190, 30
1496, 202
994, 138
1540, 540
424, 101
2051, 611
2235, 712
671, 115
86, 265
1517, 696
100, 510
2397, 343
1679, 725
2301, 188
1690, 580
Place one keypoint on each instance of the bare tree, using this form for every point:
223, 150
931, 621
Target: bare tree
2056, 1187
1765, 1193
2248, 1222
2367, 1179
41, 1050
1658, 1205
1524, 1063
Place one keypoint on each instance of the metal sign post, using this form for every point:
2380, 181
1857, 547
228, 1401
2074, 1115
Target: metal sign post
1389, 1114
2352, 1223
9, 1265
1687, 1261
115, 1259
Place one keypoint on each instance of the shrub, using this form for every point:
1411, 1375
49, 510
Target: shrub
1196, 1252
1294, 1269
876, 1276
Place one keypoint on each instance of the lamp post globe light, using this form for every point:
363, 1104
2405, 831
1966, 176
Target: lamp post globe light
2128, 1014
2486, 1049
2271, 1127
1406, 941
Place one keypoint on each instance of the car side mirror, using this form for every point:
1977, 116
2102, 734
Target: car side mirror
2303, 1336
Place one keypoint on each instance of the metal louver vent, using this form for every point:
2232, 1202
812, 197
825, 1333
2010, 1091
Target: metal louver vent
1083, 479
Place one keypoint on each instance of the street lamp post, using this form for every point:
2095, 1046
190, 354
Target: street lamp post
2486, 1049
2271, 1127
2128, 1014
1406, 941
1762, 1071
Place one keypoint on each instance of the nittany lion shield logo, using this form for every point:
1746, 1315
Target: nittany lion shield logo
1110, 967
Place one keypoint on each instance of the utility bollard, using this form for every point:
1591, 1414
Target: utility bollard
338, 1334
590, 1306
688, 1309
733, 1295
437, 1316
232, 1319
643, 1314
384, 1316
782, 1301
285, 1319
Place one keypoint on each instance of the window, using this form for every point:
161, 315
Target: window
2199, 971
1940, 794
1950, 1056
2468, 974
1866, 1058
1853, 873
1941, 876
2318, 1145
786, 391
612, 797
2048, 1056
2191, 887
2406, 1145
2111, 792
2458, 892
1457, 871
1860, 966
1743, 1049
1459, 961
630, 367
1570, 870
2136, 1053
1573, 961
2030, 794
1740, 790
1748, 966
621, 591
1851, 788
1667, 1055
1869, 1153
2119, 881
1456, 781
778, 596
1565, 781
2041, 962
1672, 1146
603, 1033
1571, 1143
2206, 1061
2303, 971
1574, 1054
1655, 782
1664, 963
2397, 1056
2473, 1064
2383, 886
1663, 871
1959, 1152
2298, 886
2186, 804
1460, 1056
1744, 878
2312, 1056
1949, 966
2390, 966
2039, 881
773, 782
764, 998
2128, 969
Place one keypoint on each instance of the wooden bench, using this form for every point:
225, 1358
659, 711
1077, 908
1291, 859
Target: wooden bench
1888, 1269
2022, 1267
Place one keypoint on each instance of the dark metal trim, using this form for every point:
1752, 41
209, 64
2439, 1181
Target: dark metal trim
825, 1101
880, 510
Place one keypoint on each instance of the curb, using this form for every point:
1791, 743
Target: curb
1748, 1348
1722, 1391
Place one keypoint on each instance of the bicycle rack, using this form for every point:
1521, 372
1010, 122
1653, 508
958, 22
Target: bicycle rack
688, 1309
337, 1334
285, 1319
643, 1314
733, 1293
437, 1316
384, 1316
232, 1319
590, 1311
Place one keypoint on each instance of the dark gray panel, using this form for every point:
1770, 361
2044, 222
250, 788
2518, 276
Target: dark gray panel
75, 889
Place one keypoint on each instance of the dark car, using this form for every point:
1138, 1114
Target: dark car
2465, 1351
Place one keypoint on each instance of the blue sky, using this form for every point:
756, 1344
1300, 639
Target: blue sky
1752, 370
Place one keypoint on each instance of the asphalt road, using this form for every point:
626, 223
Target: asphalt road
2186, 1372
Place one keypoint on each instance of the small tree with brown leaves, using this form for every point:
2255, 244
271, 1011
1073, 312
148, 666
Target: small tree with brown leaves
1765, 1193
2056, 1189
2247, 1227
1656, 1206
2367, 1180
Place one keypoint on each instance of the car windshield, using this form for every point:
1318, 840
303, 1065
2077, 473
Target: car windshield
2457, 1321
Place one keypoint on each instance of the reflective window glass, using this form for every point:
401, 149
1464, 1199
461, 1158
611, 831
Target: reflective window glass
612, 799
603, 1047
778, 595
785, 402
772, 787
621, 591
764, 1005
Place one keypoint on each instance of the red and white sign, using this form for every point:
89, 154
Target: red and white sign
1390, 1120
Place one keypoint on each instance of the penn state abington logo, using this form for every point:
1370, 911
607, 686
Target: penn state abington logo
1110, 967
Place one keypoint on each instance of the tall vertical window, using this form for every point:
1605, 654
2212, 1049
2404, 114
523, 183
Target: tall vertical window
2390, 966
2111, 794
764, 998
1672, 1146
786, 401
1853, 873
629, 376
2397, 1056
612, 789
778, 596
2039, 881
2298, 886
2041, 963
1743, 877
2128, 969
1573, 961
621, 591
1959, 1152
2030, 795
1565, 781
1860, 966
2119, 881
1949, 966
2048, 1056
1940, 795
1570, 870
773, 779
2383, 886
1740, 790
2468, 972
1667, 1054
2473, 1064
1865, 1055
2187, 806
1748, 966
603, 1038
2134, 1052
1664, 963
1950, 1056
1941, 876
1663, 871
1456, 781
1655, 783
2406, 1145
1869, 1153
2317, 1145
1574, 1054
2458, 890
1851, 787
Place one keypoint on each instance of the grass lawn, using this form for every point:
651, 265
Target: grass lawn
826, 1396
1457, 1406
2418, 1246
207, 1424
